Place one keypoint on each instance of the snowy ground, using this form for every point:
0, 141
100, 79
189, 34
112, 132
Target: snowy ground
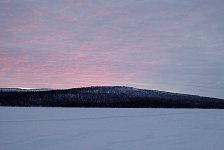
110, 129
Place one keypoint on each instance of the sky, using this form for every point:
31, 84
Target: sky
169, 45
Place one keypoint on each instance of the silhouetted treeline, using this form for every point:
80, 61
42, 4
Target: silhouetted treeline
120, 97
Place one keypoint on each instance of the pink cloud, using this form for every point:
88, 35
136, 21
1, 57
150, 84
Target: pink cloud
38, 10
29, 27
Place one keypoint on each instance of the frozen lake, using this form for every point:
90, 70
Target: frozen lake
110, 129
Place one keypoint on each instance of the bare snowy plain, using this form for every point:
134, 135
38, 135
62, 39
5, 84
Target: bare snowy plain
110, 129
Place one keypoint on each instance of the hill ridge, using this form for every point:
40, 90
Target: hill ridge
106, 96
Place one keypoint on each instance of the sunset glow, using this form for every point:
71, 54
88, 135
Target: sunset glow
171, 45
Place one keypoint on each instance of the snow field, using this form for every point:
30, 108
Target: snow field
110, 129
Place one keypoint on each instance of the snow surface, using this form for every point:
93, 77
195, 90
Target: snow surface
110, 129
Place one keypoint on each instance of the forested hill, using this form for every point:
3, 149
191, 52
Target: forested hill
110, 96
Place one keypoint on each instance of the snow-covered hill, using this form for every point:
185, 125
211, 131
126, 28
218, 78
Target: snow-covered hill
22, 90
108, 96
